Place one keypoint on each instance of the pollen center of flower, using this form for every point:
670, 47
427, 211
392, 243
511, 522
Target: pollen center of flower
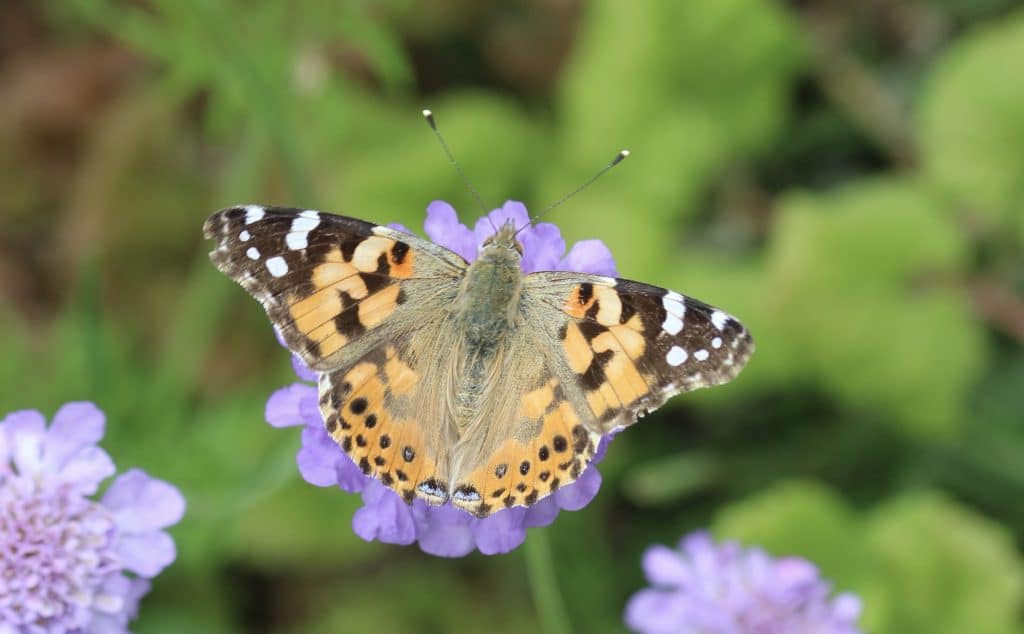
56, 550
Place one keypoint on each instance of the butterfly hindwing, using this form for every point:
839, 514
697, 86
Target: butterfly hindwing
546, 445
373, 410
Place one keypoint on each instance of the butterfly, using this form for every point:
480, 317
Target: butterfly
468, 383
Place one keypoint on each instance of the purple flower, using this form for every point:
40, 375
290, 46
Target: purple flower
445, 531
727, 589
69, 562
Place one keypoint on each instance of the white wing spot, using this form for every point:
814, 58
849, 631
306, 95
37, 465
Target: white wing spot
277, 266
672, 305
253, 213
701, 355
718, 318
676, 356
253, 253
298, 236
245, 235
716, 343
672, 324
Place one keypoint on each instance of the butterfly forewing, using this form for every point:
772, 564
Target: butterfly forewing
630, 346
326, 281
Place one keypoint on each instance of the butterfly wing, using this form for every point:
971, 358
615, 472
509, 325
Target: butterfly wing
334, 287
393, 424
594, 354
364, 305
532, 438
630, 346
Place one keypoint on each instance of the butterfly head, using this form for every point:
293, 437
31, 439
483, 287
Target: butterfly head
502, 246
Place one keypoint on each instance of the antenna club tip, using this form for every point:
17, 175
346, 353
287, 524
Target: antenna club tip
618, 157
429, 116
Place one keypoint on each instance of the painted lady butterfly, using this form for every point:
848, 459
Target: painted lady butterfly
469, 383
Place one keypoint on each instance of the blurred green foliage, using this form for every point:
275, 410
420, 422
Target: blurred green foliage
848, 180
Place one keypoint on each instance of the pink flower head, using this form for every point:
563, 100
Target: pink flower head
70, 562
705, 587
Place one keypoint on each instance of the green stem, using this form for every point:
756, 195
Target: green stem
547, 597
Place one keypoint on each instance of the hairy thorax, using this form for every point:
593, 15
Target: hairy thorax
485, 313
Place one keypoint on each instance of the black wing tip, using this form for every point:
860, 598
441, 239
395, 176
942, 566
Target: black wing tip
216, 225
213, 227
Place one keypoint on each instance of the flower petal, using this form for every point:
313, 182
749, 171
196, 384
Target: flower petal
542, 513
589, 256
512, 211
543, 247
25, 432
443, 227
140, 503
794, 571
664, 567
102, 624
581, 492
847, 607
146, 554
602, 445
284, 408
74, 426
318, 457
655, 612
502, 532
385, 517
302, 370
350, 477
128, 592
444, 531
87, 469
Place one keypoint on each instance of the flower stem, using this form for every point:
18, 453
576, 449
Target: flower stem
547, 597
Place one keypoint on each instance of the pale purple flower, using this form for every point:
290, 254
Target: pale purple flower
727, 589
445, 531
70, 562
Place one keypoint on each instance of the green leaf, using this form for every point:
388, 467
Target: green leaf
654, 78
858, 296
393, 166
971, 122
941, 568
799, 518
668, 479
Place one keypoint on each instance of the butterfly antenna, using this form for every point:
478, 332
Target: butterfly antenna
429, 116
615, 161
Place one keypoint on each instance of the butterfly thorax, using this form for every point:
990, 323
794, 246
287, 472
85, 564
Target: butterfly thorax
485, 313
488, 299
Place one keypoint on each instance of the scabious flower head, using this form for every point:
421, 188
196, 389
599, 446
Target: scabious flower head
727, 589
445, 531
70, 562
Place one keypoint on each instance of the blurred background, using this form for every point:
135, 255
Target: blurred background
846, 177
